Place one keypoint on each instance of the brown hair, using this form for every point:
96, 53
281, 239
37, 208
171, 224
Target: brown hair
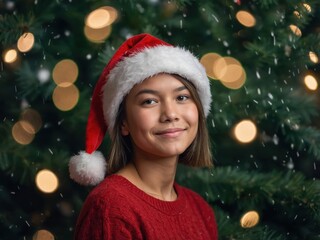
198, 154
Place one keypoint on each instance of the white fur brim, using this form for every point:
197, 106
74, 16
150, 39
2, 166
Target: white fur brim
87, 169
149, 62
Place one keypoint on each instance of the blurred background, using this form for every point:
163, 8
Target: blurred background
262, 58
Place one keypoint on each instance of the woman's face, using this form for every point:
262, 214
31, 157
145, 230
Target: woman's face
160, 117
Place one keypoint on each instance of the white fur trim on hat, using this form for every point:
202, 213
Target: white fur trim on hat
87, 169
147, 63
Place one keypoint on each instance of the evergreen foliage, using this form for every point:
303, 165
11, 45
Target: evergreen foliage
276, 175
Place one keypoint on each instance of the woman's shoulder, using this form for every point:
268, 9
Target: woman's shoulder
111, 190
106, 205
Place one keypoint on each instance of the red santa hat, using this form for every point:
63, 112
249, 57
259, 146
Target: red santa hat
138, 58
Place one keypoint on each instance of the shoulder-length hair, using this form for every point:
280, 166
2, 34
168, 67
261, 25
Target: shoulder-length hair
198, 154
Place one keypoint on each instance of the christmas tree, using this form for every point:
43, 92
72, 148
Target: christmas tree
262, 59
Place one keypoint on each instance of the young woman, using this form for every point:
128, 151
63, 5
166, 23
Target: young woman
153, 99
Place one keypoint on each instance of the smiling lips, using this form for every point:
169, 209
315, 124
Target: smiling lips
171, 132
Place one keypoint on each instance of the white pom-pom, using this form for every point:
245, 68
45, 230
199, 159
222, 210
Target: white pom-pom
87, 169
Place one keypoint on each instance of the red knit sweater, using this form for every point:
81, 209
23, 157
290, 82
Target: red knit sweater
117, 209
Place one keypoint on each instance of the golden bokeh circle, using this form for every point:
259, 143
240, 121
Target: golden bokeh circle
245, 131
27, 126
220, 67
65, 98
296, 30
232, 74
20, 135
311, 82
31, 120
113, 13
46, 181
97, 35
25, 42
65, 73
208, 60
43, 235
236, 84
249, 219
313, 57
297, 14
307, 7
10, 56
98, 18
246, 18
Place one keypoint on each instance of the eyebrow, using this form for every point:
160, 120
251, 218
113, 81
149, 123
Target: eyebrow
150, 91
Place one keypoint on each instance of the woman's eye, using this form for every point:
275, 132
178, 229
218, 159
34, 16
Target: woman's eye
183, 98
149, 102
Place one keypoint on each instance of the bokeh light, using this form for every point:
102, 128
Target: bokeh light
307, 7
295, 30
10, 56
98, 24
313, 57
226, 69
113, 13
20, 135
65, 73
65, 98
232, 73
249, 219
245, 131
297, 14
101, 17
25, 42
43, 235
97, 35
311, 82
31, 120
238, 83
208, 61
220, 67
246, 18
46, 181
233, 70
98, 18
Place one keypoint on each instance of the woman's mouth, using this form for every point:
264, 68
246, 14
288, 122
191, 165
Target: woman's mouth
170, 132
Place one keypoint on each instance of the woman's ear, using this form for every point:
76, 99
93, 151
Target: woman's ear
124, 128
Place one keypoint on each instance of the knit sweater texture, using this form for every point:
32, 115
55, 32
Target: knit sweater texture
117, 209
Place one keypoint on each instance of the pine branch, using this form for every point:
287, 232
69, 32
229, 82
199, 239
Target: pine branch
305, 137
274, 59
28, 86
12, 26
255, 188
258, 232
278, 111
229, 229
151, 29
103, 58
22, 162
182, 3
266, 4
276, 195
262, 51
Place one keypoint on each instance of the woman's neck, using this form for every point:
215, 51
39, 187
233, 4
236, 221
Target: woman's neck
154, 177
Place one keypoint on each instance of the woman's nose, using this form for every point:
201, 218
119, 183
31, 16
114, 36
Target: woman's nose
169, 112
